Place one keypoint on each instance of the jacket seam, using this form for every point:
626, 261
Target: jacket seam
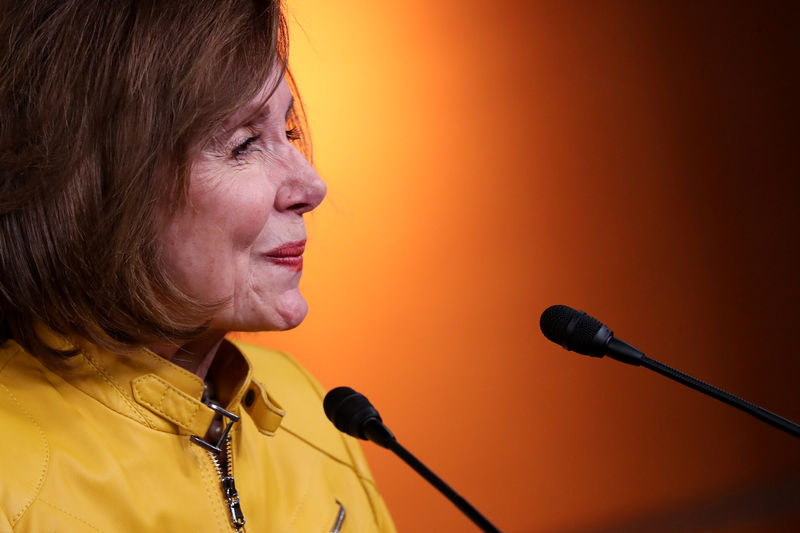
45, 464
117, 412
114, 385
314, 386
330, 456
302, 502
162, 363
16, 351
211, 481
362, 478
78, 518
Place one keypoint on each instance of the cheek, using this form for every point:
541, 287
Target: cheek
241, 225
214, 235
235, 214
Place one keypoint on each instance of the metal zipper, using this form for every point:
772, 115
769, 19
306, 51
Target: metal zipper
225, 471
228, 485
337, 525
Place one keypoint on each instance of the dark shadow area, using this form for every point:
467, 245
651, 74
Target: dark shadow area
772, 506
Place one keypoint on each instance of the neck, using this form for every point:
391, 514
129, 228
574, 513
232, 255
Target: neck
195, 356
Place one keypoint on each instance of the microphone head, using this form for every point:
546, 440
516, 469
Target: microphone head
575, 330
350, 411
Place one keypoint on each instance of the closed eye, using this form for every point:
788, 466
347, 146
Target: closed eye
244, 147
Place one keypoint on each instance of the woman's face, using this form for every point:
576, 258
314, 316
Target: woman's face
241, 236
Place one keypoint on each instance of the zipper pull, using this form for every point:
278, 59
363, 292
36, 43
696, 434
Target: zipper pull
237, 517
216, 449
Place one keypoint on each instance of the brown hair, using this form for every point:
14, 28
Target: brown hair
102, 105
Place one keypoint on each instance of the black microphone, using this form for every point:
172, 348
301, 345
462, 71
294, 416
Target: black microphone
578, 332
353, 414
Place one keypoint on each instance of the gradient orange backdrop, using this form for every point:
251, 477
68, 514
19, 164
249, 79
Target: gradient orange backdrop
638, 160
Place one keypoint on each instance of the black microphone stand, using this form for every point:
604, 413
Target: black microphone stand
625, 353
353, 414
734, 401
477, 518
579, 332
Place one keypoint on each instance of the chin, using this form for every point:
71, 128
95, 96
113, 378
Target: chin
293, 317
285, 314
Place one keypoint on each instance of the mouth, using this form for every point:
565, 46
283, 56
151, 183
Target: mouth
289, 255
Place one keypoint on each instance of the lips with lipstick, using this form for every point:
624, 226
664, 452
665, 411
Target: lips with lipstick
289, 254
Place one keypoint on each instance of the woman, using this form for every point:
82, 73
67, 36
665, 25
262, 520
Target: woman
153, 193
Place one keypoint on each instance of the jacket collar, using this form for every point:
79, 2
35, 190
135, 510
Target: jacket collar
154, 392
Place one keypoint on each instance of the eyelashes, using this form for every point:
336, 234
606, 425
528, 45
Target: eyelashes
248, 145
245, 147
294, 134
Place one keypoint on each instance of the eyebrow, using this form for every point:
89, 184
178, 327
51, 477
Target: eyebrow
264, 111
254, 115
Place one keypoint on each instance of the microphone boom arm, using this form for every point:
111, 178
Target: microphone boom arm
576, 331
715, 392
353, 414
472, 513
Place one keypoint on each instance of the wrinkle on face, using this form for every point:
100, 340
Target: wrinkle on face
236, 212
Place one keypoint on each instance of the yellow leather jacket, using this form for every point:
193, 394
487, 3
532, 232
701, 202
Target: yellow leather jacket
103, 444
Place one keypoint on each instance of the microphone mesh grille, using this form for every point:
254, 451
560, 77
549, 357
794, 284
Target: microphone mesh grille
585, 330
574, 330
554, 321
349, 410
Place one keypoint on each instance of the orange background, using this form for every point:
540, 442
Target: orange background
638, 160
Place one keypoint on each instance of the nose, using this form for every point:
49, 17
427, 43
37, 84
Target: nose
302, 189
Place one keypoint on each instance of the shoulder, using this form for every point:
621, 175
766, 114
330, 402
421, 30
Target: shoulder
300, 396
293, 388
281, 372
305, 426
24, 449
